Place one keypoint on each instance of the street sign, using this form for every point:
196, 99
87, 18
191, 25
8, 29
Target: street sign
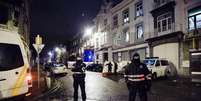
38, 40
38, 48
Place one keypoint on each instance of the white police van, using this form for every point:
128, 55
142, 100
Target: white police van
15, 77
158, 67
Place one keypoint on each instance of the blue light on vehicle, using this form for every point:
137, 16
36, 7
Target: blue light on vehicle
88, 55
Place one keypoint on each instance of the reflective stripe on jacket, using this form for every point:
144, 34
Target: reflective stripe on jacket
135, 78
78, 73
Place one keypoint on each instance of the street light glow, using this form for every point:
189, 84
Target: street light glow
57, 49
63, 50
88, 31
50, 54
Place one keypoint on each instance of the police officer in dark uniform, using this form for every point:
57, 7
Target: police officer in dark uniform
137, 78
79, 79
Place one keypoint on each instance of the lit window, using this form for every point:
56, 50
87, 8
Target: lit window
126, 35
191, 23
139, 30
139, 9
194, 19
198, 21
126, 16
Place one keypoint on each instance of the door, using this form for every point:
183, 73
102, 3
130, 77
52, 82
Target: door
105, 57
195, 65
158, 68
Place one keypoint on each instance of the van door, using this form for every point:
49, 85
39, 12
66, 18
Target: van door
164, 67
158, 68
12, 70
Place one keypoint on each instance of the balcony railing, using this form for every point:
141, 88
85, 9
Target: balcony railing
156, 32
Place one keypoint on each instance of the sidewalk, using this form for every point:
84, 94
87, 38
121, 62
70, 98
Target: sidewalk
35, 91
171, 89
38, 93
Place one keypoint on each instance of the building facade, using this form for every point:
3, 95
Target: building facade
131, 26
192, 40
167, 29
15, 16
121, 30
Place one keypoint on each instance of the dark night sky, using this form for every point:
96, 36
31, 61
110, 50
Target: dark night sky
58, 20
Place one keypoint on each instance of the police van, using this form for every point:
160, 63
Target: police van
15, 76
158, 67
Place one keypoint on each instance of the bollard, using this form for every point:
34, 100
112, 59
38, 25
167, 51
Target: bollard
48, 80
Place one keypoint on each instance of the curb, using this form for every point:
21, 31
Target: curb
56, 87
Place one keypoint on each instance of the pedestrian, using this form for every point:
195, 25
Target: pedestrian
137, 78
79, 79
109, 67
115, 68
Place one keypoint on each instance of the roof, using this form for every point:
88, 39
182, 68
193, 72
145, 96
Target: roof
9, 37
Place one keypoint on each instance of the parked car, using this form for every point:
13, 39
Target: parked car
58, 69
95, 67
158, 67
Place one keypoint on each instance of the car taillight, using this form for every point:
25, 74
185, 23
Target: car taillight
29, 80
29, 77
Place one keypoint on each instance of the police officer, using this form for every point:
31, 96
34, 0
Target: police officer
79, 79
137, 78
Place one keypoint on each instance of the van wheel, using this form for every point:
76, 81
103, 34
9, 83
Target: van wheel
154, 76
20, 98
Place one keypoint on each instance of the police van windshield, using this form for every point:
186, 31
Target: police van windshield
10, 57
149, 62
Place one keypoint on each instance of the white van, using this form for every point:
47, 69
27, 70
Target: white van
158, 67
15, 77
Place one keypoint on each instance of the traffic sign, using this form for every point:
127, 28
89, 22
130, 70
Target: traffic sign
38, 48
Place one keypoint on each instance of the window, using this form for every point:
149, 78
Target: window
105, 22
149, 62
164, 63
139, 30
164, 22
191, 23
10, 57
126, 16
138, 9
194, 19
115, 21
126, 35
157, 63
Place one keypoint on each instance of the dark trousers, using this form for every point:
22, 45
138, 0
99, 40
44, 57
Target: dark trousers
133, 90
79, 82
